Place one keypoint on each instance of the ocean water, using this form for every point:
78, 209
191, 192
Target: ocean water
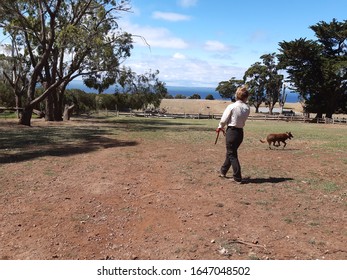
292, 97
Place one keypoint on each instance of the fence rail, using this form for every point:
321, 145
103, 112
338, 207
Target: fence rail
260, 117
299, 119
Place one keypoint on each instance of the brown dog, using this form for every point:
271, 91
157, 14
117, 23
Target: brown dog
281, 137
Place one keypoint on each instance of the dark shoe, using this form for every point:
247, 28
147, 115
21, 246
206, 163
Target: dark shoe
237, 181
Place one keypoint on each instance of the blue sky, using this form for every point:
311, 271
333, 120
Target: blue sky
203, 42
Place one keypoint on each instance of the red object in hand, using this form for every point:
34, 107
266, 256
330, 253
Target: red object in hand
217, 131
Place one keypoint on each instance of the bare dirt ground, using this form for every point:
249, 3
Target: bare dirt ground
123, 197
204, 106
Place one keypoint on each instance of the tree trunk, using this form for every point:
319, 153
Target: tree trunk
257, 108
281, 109
67, 112
39, 113
18, 105
319, 115
331, 106
329, 114
58, 107
25, 117
49, 115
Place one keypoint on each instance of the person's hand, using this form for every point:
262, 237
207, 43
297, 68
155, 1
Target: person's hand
219, 129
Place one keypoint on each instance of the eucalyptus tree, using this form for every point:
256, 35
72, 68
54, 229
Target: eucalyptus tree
273, 81
64, 39
317, 69
6, 94
227, 89
15, 68
255, 80
140, 91
264, 82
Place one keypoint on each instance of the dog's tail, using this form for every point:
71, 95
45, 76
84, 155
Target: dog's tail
263, 141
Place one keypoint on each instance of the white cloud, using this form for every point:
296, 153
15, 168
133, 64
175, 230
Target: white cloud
179, 56
170, 16
215, 46
155, 36
187, 3
187, 71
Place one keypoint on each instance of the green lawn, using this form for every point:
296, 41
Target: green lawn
320, 136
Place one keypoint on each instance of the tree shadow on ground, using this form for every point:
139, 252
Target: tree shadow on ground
29, 143
64, 150
145, 124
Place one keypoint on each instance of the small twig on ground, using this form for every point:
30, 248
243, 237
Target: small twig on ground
251, 244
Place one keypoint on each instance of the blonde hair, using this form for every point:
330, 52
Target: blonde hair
242, 93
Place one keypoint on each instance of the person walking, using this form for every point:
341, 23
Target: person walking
234, 117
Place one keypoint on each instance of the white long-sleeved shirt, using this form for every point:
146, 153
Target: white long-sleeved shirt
235, 115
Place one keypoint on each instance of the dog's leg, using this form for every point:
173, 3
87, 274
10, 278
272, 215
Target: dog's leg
269, 142
285, 144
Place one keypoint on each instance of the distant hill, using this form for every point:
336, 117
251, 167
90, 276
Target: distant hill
205, 107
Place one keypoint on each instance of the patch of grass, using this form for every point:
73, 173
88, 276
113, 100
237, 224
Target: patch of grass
81, 217
314, 224
299, 190
8, 115
288, 220
127, 209
49, 172
262, 203
256, 171
253, 257
182, 130
319, 136
312, 241
149, 229
330, 187
325, 186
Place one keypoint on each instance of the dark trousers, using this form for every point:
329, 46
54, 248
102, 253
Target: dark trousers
234, 138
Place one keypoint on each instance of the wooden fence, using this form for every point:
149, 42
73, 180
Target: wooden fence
297, 118
257, 117
260, 117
